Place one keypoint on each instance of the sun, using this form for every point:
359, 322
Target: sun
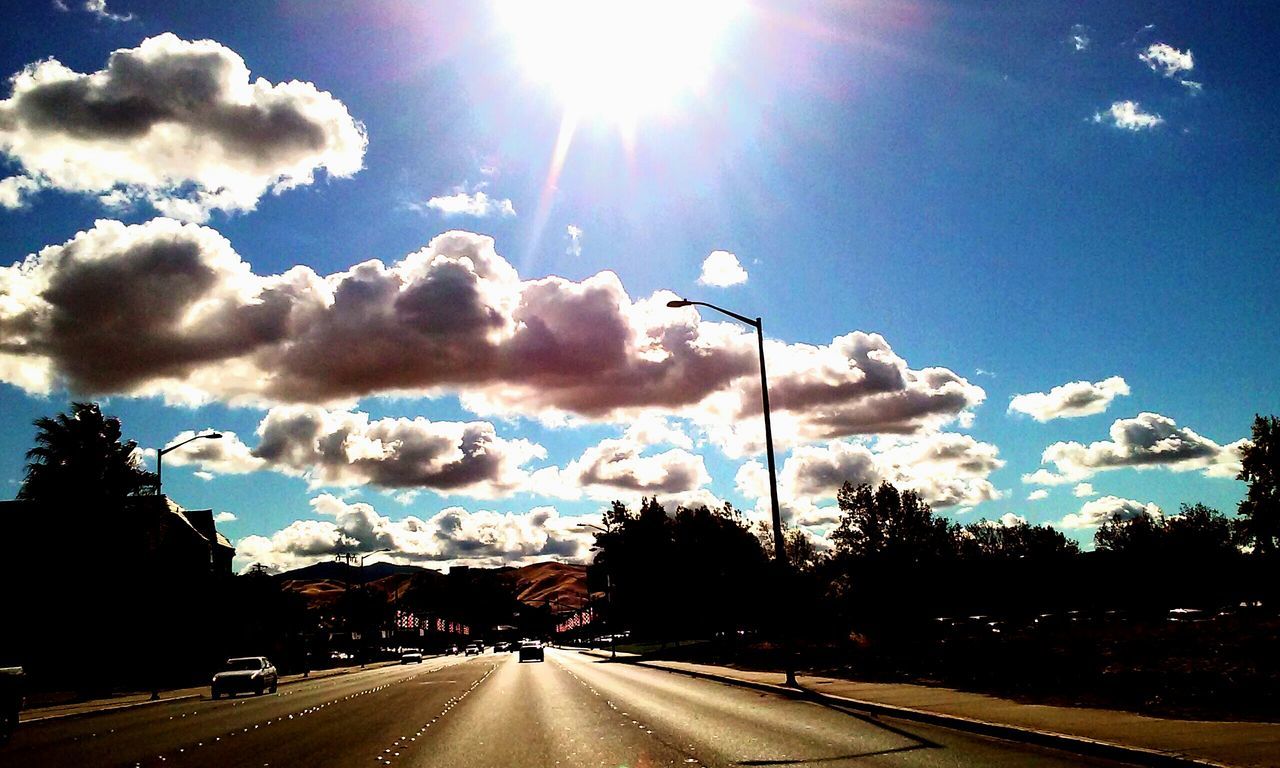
619, 60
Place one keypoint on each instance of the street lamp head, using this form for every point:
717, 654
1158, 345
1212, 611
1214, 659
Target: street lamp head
678, 303
214, 435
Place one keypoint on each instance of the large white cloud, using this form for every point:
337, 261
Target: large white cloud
623, 467
1077, 398
1094, 513
1145, 441
947, 470
170, 309
175, 123
453, 536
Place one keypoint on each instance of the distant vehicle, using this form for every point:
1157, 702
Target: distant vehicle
244, 674
531, 650
451, 650
11, 685
504, 646
474, 649
411, 657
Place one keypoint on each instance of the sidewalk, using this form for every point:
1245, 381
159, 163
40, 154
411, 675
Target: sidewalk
1149, 740
128, 700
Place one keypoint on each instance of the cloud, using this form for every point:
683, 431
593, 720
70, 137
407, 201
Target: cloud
205, 476
1078, 398
476, 204
1145, 441
1166, 59
621, 464
1083, 490
348, 449
1099, 511
16, 190
188, 320
947, 469
177, 124
224, 456
224, 517
574, 233
722, 269
1078, 37
453, 536
97, 7
1129, 116
1038, 495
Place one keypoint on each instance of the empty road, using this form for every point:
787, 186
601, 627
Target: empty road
481, 712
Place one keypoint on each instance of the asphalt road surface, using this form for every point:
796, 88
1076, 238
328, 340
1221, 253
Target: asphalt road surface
491, 710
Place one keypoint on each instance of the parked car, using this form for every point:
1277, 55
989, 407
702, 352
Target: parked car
474, 649
11, 688
531, 650
411, 657
244, 674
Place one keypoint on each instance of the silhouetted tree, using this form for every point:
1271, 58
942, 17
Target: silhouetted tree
1136, 536
886, 524
1260, 509
802, 553
1195, 534
1021, 540
78, 458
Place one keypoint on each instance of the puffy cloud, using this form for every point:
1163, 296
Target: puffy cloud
336, 448
476, 204
1078, 398
452, 536
722, 269
1038, 495
1099, 511
620, 464
945, 468
15, 190
169, 309
176, 123
1145, 441
1129, 116
574, 233
224, 517
1166, 59
1078, 37
1083, 490
225, 456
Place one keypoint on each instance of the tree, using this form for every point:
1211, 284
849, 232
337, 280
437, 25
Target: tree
1260, 467
1136, 536
1021, 540
79, 459
886, 524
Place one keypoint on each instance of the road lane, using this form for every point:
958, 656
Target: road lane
572, 710
720, 725
178, 731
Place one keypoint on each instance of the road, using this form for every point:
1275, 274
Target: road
491, 710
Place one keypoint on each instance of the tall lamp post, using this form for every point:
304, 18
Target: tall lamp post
779, 541
155, 687
161, 452
364, 603
608, 594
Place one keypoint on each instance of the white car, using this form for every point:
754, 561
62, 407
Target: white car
411, 657
244, 674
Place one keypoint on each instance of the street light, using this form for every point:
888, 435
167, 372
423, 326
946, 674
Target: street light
779, 541
363, 601
161, 452
608, 592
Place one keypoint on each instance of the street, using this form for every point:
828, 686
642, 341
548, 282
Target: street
491, 710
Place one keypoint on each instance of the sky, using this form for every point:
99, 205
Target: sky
413, 259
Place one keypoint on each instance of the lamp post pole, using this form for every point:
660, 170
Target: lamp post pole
364, 603
608, 595
779, 540
162, 451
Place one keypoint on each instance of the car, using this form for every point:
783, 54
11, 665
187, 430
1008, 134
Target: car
11, 685
411, 657
474, 649
245, 674
504, 646
451, 650
531, 650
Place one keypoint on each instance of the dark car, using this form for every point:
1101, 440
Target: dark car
531, 650
245, 674
11, 684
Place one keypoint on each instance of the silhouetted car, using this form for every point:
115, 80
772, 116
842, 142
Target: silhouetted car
474, 649
451, 650
503, 646
411, 657
11, 683
531, 650
244, 674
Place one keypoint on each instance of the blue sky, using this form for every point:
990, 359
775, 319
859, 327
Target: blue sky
1020, 200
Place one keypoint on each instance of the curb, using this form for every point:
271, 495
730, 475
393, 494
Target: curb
1061, 741
184, 697
110, 708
